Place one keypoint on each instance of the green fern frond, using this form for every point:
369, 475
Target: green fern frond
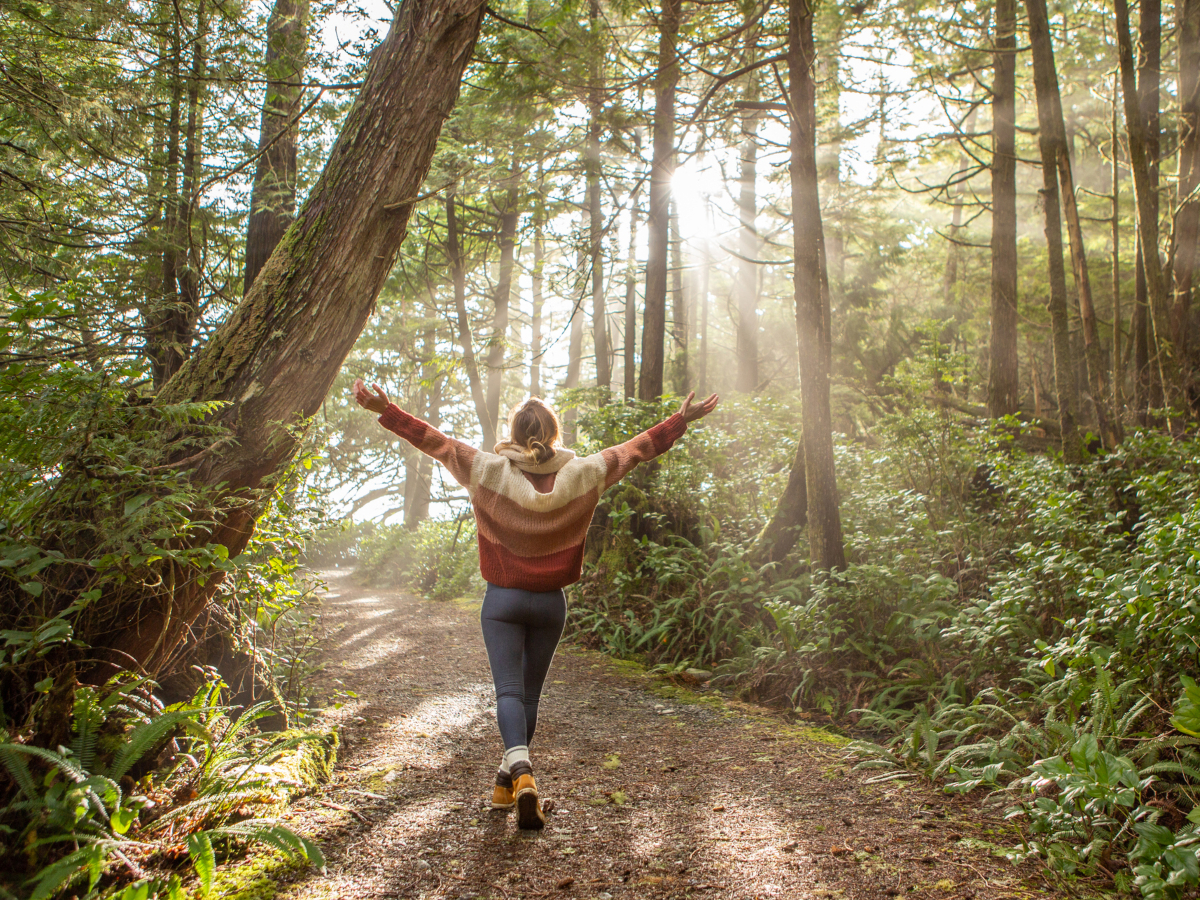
271, 833
18, 768
87, 717
147, 735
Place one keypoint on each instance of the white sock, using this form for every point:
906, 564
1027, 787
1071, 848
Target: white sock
512, 755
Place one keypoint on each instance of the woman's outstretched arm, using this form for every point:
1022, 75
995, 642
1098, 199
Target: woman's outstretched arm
655, 441
453, 454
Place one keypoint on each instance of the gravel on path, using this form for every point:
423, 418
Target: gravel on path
659, 792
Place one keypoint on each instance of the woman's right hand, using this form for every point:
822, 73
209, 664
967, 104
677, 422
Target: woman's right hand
692, 412
376, 402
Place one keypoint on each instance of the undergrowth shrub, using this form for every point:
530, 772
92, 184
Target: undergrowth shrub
97, 516
106, 813
438, 558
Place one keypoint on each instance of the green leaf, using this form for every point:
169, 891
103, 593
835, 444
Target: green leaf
133, 505
32, 587
122, 819
1187, 708
200, 849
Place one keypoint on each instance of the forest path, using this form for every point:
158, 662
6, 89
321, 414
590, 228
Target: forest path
659, 795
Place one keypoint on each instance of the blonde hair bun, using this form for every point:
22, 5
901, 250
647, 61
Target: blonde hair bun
533, 429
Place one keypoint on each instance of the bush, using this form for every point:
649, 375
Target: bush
438, 558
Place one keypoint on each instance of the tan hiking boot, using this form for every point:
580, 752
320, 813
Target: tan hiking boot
529, 806
502, 794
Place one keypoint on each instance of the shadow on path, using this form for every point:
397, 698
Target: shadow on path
655, 798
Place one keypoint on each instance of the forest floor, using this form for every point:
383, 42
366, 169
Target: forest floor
660, 791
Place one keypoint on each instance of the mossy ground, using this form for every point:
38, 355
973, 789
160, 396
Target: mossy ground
260, 876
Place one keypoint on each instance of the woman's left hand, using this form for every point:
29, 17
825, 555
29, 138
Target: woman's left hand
376, 402
692, 412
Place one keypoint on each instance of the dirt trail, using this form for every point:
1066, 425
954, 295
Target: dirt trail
658, 796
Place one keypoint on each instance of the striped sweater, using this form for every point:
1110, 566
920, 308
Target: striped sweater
531, 540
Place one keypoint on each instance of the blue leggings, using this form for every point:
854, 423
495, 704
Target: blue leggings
521, 631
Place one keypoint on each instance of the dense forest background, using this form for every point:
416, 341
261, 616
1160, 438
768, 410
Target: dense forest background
938, 260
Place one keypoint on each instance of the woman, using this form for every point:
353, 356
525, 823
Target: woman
533, 503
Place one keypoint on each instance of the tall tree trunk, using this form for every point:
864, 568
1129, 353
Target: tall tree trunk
702, 363
1187, 216
1162, 360
812, 297
950, 274
654, 320
746, 275
509, 215
631, 300
782, 532
1060, 326
575, 343
418, 479
273, 197
183, 320
158, 326
1052, 130
1004, 383
596, 212
458, 274
679, 305
275, 357
537, 277
1147, 387
1118, 360
829, 157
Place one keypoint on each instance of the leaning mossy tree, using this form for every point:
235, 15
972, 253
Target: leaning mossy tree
245, 397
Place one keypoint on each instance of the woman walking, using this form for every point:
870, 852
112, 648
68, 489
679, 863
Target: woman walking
533, 502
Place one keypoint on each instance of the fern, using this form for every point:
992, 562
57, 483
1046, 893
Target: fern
68, 766
271, 833
87, 717
147, 736
18, 768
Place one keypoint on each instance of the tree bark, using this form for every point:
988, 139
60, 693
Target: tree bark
537, 278
509, 215
679, 306
418, 479
781, 534
273, 196
466, 340
595, 210
746, 275
631, 300
1003, 376
575, 343
1052, 130
1060, 326
1004, 384
275, 357
654, 320
812, 297
1187, 216
1118, 360
182, 322
702, 363
1161, 355
163, 359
